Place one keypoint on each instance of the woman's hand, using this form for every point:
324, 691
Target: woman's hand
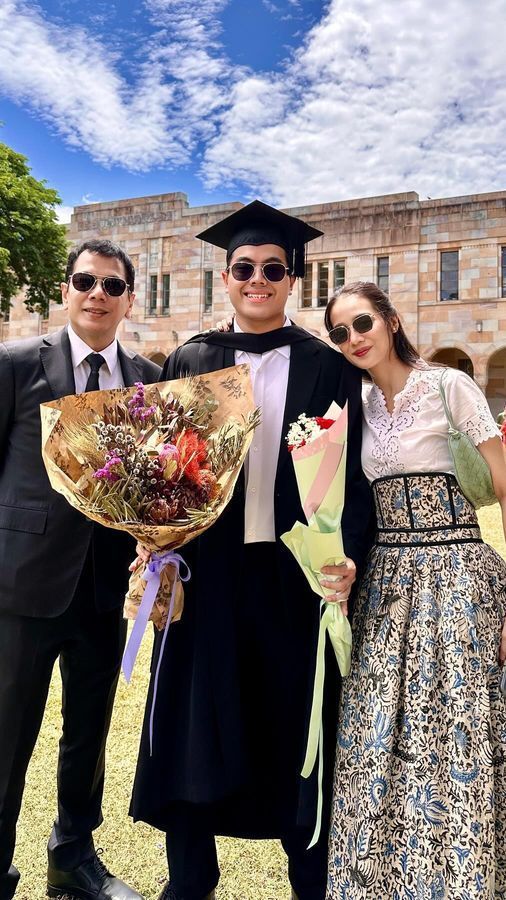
224, 324
142, 558
341, 579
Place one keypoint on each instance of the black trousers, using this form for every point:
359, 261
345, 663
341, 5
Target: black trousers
89, 645
193, 862
273, 706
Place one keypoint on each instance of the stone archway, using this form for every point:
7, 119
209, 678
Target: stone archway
454, 357
496, 381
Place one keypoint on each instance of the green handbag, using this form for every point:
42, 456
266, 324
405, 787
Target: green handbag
471, 470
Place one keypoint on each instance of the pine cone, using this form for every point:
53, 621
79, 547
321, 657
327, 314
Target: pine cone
187, 498
162, 512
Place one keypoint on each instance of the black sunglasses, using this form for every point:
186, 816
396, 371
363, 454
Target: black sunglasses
83, 281
361, 324
243, 271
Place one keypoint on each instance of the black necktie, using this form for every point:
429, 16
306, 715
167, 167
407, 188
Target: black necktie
95, 360
256, 343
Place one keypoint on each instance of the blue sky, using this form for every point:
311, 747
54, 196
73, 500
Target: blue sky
293, 101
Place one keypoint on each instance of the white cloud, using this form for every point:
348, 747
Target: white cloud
63, 214
77, 82
279, 9
90, 198
381, 98
195, 21
271, 7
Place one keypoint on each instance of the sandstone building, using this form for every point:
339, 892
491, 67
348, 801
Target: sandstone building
443, 263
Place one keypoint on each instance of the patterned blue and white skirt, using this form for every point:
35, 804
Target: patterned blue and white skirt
419, 806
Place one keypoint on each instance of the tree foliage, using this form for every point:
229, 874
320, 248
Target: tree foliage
33, 245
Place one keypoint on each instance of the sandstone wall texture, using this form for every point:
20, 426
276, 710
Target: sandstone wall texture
420, 250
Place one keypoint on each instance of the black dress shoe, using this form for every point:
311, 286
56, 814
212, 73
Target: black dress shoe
90, 881
8, 882
169, 893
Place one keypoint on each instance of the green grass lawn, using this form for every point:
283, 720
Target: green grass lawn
251, 870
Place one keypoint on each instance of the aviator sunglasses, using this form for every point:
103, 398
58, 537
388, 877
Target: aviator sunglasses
361, 324
112, 285
243, 271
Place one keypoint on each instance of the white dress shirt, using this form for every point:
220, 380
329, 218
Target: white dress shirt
110, 374
269, 379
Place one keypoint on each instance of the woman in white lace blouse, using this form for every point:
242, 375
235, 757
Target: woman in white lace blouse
419, 807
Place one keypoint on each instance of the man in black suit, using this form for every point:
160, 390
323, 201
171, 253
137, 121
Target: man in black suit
62, 577
235, 683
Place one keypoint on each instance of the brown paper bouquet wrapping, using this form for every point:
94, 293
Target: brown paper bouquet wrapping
70, 427
160, 610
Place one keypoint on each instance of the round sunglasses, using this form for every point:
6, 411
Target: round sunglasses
112, 285
243, 271
361, 324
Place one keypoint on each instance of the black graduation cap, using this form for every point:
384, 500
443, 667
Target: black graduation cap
257, 224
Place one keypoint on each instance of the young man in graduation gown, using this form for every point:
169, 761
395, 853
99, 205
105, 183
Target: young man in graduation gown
62, 577
235, 684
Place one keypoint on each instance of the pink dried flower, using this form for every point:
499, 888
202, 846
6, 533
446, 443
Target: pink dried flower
169, 451
107, 473
137, 405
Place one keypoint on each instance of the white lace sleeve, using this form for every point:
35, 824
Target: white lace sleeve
468, 406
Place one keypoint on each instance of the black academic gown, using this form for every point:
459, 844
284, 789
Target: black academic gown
201, 750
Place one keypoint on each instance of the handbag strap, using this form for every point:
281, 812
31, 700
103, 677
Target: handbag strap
451, 424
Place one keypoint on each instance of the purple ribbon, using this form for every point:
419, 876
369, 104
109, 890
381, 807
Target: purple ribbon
152, 575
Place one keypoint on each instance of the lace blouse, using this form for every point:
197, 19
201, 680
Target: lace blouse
414, 437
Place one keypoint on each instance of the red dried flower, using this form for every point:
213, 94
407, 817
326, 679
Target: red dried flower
324, 423
209, 488
192, 456
292, 446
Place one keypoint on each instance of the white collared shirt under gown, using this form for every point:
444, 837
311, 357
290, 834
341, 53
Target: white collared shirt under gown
269, 379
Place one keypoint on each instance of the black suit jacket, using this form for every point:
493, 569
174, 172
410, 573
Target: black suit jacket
43, 541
